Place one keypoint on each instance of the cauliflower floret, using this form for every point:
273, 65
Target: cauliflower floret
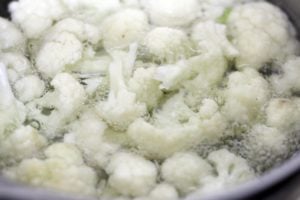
17, 65
163, 191
283, 114
64, 49
174, 128
93, 11
209, 31
185, 170
63, 169
168, 13
35, 16
214, 49
288, 82
12, 112
87, 134
166, 45
264, 147
121, 107
142, 84
241, 103
57, 107
10, 37
131, 175
230, 170
22, 143
29, 88
82, 30
123, 28
213, 122
266, 29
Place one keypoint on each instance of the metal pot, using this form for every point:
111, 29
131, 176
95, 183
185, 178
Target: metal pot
283, 182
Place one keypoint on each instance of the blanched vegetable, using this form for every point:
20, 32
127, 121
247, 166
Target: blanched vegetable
146, 99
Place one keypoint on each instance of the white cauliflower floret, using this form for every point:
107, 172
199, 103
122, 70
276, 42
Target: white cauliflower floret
93, 11
87, 134
230, 170
121, 107
174, 128
35, 16
142, 84
53, 57
241, 103
166, 45
209, 31
163, 191
264, 147
264, 28
123, 28
63, 169
131, 175
57, 107
17, 65
168, 13
185, 170
29, 88
282, 113
83, 31
213, 122
162, 142
288, 81
214, 49
12, 112
11, 38
24, 142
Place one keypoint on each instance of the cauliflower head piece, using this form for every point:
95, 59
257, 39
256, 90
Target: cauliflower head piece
266, 29
63, 168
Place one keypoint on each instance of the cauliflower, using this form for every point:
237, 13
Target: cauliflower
168, 13
56, 108
123, 28
266, 29
64, 49
174, 128
142, 83
162, 191
211, 32
264, 146
29, 87
11, 38
184, 170
93, 11
241, 103
121, 107
230, 170
130, 174
214, 48
283, 114
22, 143
288, 81
62, 169
87, 134
12, 112
36, 16
83, 31
17, 65
140, 99
166, 45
